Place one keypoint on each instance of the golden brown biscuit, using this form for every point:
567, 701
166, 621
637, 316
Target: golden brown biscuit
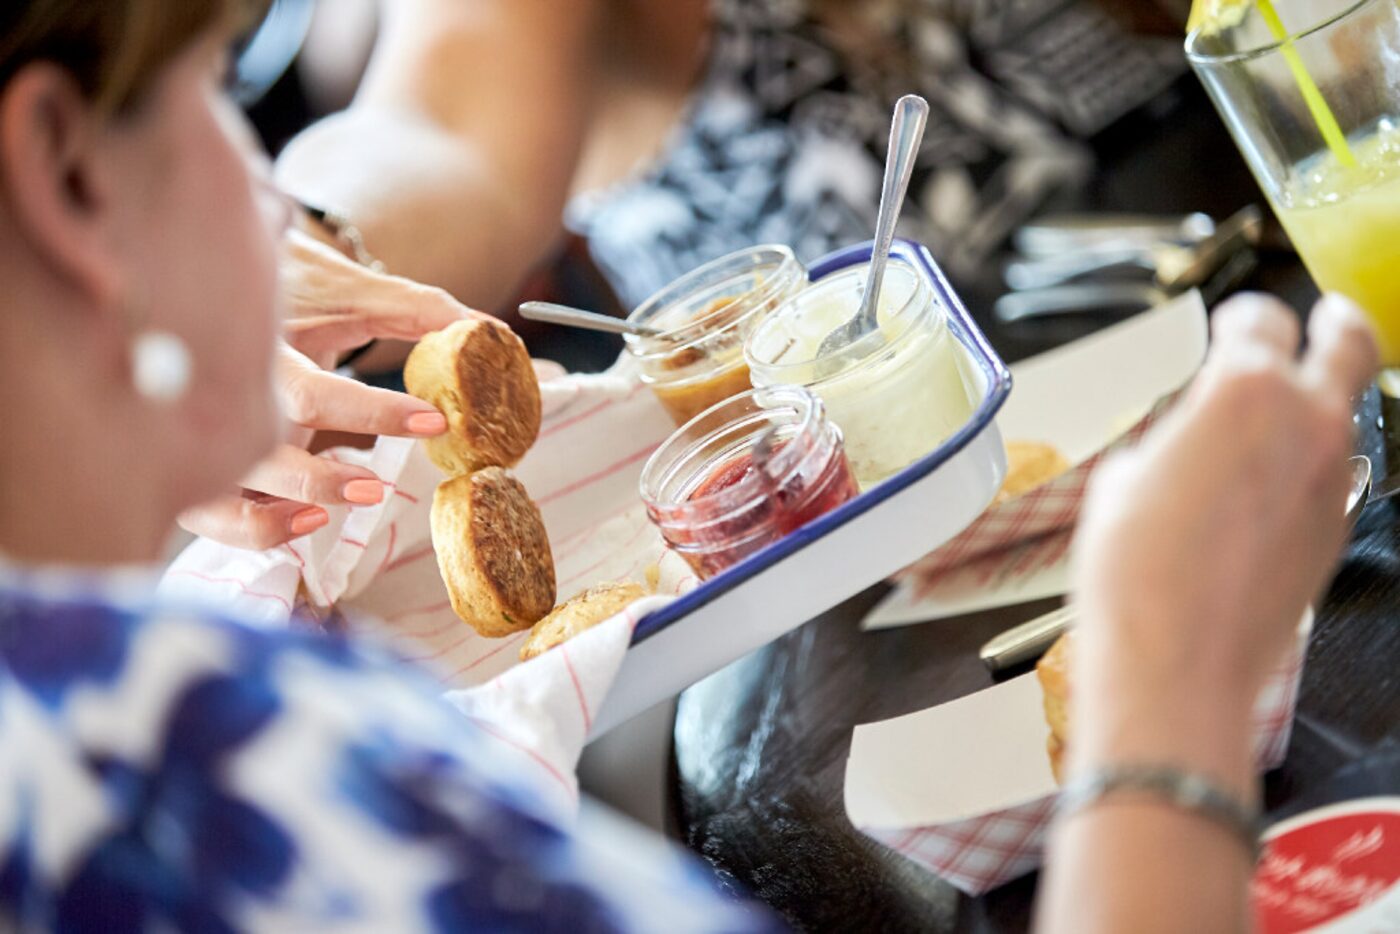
1053, 672
493, 552
583, 611
1029, 464
1056, 750
478, 373
1056, 708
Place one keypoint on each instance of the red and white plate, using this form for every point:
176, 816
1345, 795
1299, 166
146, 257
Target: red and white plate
1335, 869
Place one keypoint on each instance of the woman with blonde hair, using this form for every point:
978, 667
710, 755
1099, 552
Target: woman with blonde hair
161, 768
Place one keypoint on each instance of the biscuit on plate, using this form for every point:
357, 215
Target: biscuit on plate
479, 375
1056, 750
582, 612
1053, 672
493, 552
1029, 464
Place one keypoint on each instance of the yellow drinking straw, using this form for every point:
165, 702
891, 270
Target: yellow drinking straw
1214, 15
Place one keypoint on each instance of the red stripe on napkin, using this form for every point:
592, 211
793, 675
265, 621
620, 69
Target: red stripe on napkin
210, 579
510, 641
410, 558
578, 689
389, 551
544, 763
600, 475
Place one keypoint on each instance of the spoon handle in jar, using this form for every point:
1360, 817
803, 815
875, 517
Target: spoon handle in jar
906, 132
551, 313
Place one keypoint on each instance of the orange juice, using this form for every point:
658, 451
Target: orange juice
1345, 222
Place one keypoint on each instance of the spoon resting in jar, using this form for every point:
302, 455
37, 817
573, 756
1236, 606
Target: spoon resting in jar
906, 133
551, 313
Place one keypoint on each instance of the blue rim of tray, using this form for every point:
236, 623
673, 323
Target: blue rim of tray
998, 379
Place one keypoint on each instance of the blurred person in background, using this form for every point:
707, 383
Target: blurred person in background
668, 134
162, 768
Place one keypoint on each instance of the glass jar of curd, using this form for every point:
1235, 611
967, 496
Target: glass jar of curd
704, 318
897, 392
743, 474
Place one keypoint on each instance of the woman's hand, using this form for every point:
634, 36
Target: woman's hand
336, 306
1195, 558
1199, 551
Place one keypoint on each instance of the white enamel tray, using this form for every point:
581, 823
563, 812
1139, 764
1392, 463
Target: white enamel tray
837, 556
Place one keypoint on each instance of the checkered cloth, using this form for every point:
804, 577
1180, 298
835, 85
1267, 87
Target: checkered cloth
1031, 517
980, 853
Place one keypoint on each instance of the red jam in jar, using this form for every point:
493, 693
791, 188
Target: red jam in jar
730, 473
712, 501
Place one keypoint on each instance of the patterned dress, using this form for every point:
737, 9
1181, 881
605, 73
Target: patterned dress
161, 770
785, 137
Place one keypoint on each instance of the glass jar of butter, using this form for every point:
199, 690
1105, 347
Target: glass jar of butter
704, 318
896, 392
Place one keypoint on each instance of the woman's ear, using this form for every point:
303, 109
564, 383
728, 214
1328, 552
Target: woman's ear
54, 182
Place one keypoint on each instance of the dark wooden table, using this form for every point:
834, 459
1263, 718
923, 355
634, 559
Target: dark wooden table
760, 748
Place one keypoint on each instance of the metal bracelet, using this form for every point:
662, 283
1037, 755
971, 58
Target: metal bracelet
347, 233
1188, 791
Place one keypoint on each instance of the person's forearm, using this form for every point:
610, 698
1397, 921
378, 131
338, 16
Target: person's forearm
1195, 556
1134, 862
457, 157
427, 205
1137, 865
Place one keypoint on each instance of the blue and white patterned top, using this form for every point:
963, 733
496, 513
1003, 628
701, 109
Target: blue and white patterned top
784, 137
163, 770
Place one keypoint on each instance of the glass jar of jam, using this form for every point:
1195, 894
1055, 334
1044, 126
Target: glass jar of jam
897, 391
743, 474
704, 318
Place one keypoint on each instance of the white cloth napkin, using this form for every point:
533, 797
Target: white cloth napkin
376, 566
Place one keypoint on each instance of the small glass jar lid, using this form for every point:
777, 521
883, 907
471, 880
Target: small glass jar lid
784, 347
744, 473
723, 295
674, 471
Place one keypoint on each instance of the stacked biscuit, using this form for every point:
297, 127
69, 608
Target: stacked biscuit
492, 548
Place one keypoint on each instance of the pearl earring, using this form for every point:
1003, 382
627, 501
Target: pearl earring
160, 366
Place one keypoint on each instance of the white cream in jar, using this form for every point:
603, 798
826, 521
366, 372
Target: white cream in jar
896, 393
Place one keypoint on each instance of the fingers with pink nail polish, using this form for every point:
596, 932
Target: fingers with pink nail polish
258, 524
363, 492
426, 424
308, 520
294, 474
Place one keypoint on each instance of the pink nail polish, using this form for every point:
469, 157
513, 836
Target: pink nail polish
308, 520
363, 492
427, 423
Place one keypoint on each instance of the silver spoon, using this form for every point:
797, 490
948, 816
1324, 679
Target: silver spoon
1075, 297
588, 320
1032, 639
1175, 266
1061, 234
1125, 296
906, 132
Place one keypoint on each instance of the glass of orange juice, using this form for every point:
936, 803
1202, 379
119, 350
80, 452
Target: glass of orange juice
1310, 90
